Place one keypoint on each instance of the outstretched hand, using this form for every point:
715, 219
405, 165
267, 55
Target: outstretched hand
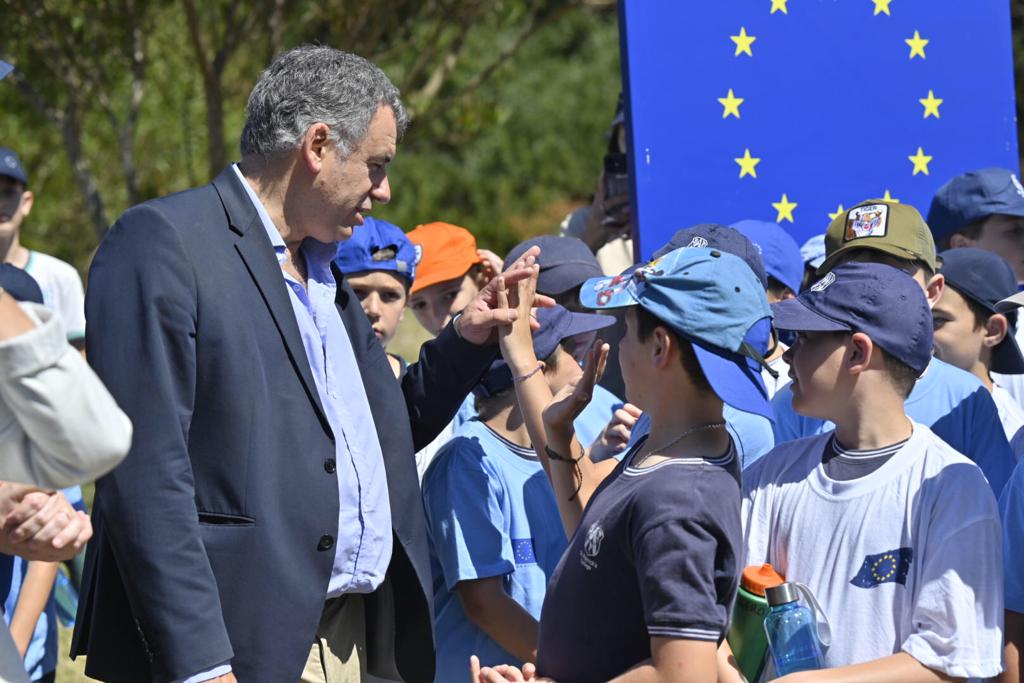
485, 313
571, 399
503, 673
516, 340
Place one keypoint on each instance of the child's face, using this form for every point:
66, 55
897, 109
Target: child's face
1004, 235
631, 353
566, 370
958, 338
15, 204
435, 305
382, 295
815, 366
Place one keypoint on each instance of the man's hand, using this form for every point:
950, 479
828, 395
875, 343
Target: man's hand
41, 525
571, 399
492, 263
502, 673
616, 434
478, 320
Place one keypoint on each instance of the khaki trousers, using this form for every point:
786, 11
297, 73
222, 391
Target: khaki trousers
338, 654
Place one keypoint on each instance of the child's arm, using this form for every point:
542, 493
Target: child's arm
1014, 636
494, 612
35, 591
897, 668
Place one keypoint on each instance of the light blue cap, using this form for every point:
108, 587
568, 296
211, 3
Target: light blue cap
778, 249
813, 251
711, 298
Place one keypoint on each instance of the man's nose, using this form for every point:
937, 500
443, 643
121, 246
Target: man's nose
382, 191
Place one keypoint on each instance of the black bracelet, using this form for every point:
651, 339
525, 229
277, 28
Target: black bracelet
575, 462
561, 458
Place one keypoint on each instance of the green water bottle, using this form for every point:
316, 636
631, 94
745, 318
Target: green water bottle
746, 633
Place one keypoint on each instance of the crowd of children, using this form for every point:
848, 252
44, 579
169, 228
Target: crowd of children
842, 410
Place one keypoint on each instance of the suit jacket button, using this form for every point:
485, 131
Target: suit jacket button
326, 542
330, 466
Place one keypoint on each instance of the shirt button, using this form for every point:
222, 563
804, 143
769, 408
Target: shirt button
326, 542
330, 466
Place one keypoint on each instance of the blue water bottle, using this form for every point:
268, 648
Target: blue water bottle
792, 632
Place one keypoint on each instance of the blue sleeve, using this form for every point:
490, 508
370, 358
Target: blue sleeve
74, 496
752, 434
467, 520
974, 429
787, 423
1011, 512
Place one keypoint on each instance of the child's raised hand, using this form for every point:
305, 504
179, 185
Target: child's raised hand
515, 338
571, 399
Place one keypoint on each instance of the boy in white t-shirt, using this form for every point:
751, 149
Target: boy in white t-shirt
971, 335
894, 532
59, 281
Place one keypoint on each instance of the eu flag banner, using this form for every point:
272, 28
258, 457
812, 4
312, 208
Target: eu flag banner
791, 110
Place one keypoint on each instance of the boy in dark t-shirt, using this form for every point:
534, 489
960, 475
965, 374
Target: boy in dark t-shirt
648, 580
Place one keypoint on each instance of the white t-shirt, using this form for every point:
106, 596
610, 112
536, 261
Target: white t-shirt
907, 558
1011, 414
62, 290
773, 384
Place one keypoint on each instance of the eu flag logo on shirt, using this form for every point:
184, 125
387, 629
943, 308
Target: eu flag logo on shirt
888, 567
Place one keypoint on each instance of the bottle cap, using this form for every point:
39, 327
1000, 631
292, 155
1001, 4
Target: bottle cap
756, 579
782, 594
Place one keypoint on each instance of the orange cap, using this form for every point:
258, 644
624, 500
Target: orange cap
443, 252
756, 579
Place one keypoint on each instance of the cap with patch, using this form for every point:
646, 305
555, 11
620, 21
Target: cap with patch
881, 301
377, 245
556, 323
10, 166
779, 251
887, 226
565, 262
974, 196
443, 252
714, 236
986, 279
711, 298
5, 69
813, 251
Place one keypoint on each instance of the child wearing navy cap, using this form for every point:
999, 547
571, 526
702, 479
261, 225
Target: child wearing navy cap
969, 332
379, 263
894, 532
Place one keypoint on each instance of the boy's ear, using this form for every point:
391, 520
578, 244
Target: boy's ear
933, 290
862, 350
996, 329
661, 347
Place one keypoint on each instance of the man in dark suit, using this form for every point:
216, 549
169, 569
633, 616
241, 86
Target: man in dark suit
267, 522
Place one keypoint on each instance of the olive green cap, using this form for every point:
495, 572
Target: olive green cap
891, 227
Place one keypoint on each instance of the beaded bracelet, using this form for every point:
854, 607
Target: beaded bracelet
530, 374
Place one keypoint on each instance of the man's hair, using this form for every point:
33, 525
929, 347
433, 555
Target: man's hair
489, 406
971, 231
646, 322
310, 84
902, 376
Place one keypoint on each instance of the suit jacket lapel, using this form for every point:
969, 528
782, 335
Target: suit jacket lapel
258, 255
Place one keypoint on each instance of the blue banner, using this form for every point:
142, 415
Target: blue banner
791, 110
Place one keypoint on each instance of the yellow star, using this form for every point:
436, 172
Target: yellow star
921, 161
839, 211
916, 44
784, 207
889, 198
743, 42
779, 6
730, 104
747, 164
881, 6
931, 105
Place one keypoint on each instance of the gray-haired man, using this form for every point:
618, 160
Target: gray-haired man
266, 523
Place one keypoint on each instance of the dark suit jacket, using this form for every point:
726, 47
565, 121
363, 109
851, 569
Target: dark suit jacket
211, 538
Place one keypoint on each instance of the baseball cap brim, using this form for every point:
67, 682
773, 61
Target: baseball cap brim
616, 291
1010, 303
1006, 357
581, 323
795, 316
561, 278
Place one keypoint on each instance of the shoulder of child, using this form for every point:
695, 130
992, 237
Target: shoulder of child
789, 461
466, 451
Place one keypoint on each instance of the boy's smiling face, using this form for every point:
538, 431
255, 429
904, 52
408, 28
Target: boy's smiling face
815, 365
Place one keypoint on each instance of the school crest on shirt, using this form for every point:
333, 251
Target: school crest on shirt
871, 220
592, 546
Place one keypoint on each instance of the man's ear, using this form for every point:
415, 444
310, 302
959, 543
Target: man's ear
933, 290
996, 328
862, 350
316, 145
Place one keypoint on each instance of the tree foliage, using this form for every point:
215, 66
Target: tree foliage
117, 101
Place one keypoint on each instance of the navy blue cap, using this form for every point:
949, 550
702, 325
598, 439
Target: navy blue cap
986, 279
20, 284
10, 166
565, 262
779, 251
5, 69
556, 323
377, 245
713, 236
974, 196
881, 301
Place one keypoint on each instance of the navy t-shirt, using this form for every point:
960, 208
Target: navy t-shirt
656, 553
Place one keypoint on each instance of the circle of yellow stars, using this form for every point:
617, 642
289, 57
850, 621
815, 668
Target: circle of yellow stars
747, 163
887, 558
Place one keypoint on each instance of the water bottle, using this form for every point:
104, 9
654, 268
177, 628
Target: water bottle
792, 632
746, 631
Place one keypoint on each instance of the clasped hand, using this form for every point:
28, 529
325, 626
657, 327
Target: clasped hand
40, 525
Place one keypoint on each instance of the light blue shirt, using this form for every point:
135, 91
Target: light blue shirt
364, 543
490, 512
953, 402
751, 434
1011, 512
